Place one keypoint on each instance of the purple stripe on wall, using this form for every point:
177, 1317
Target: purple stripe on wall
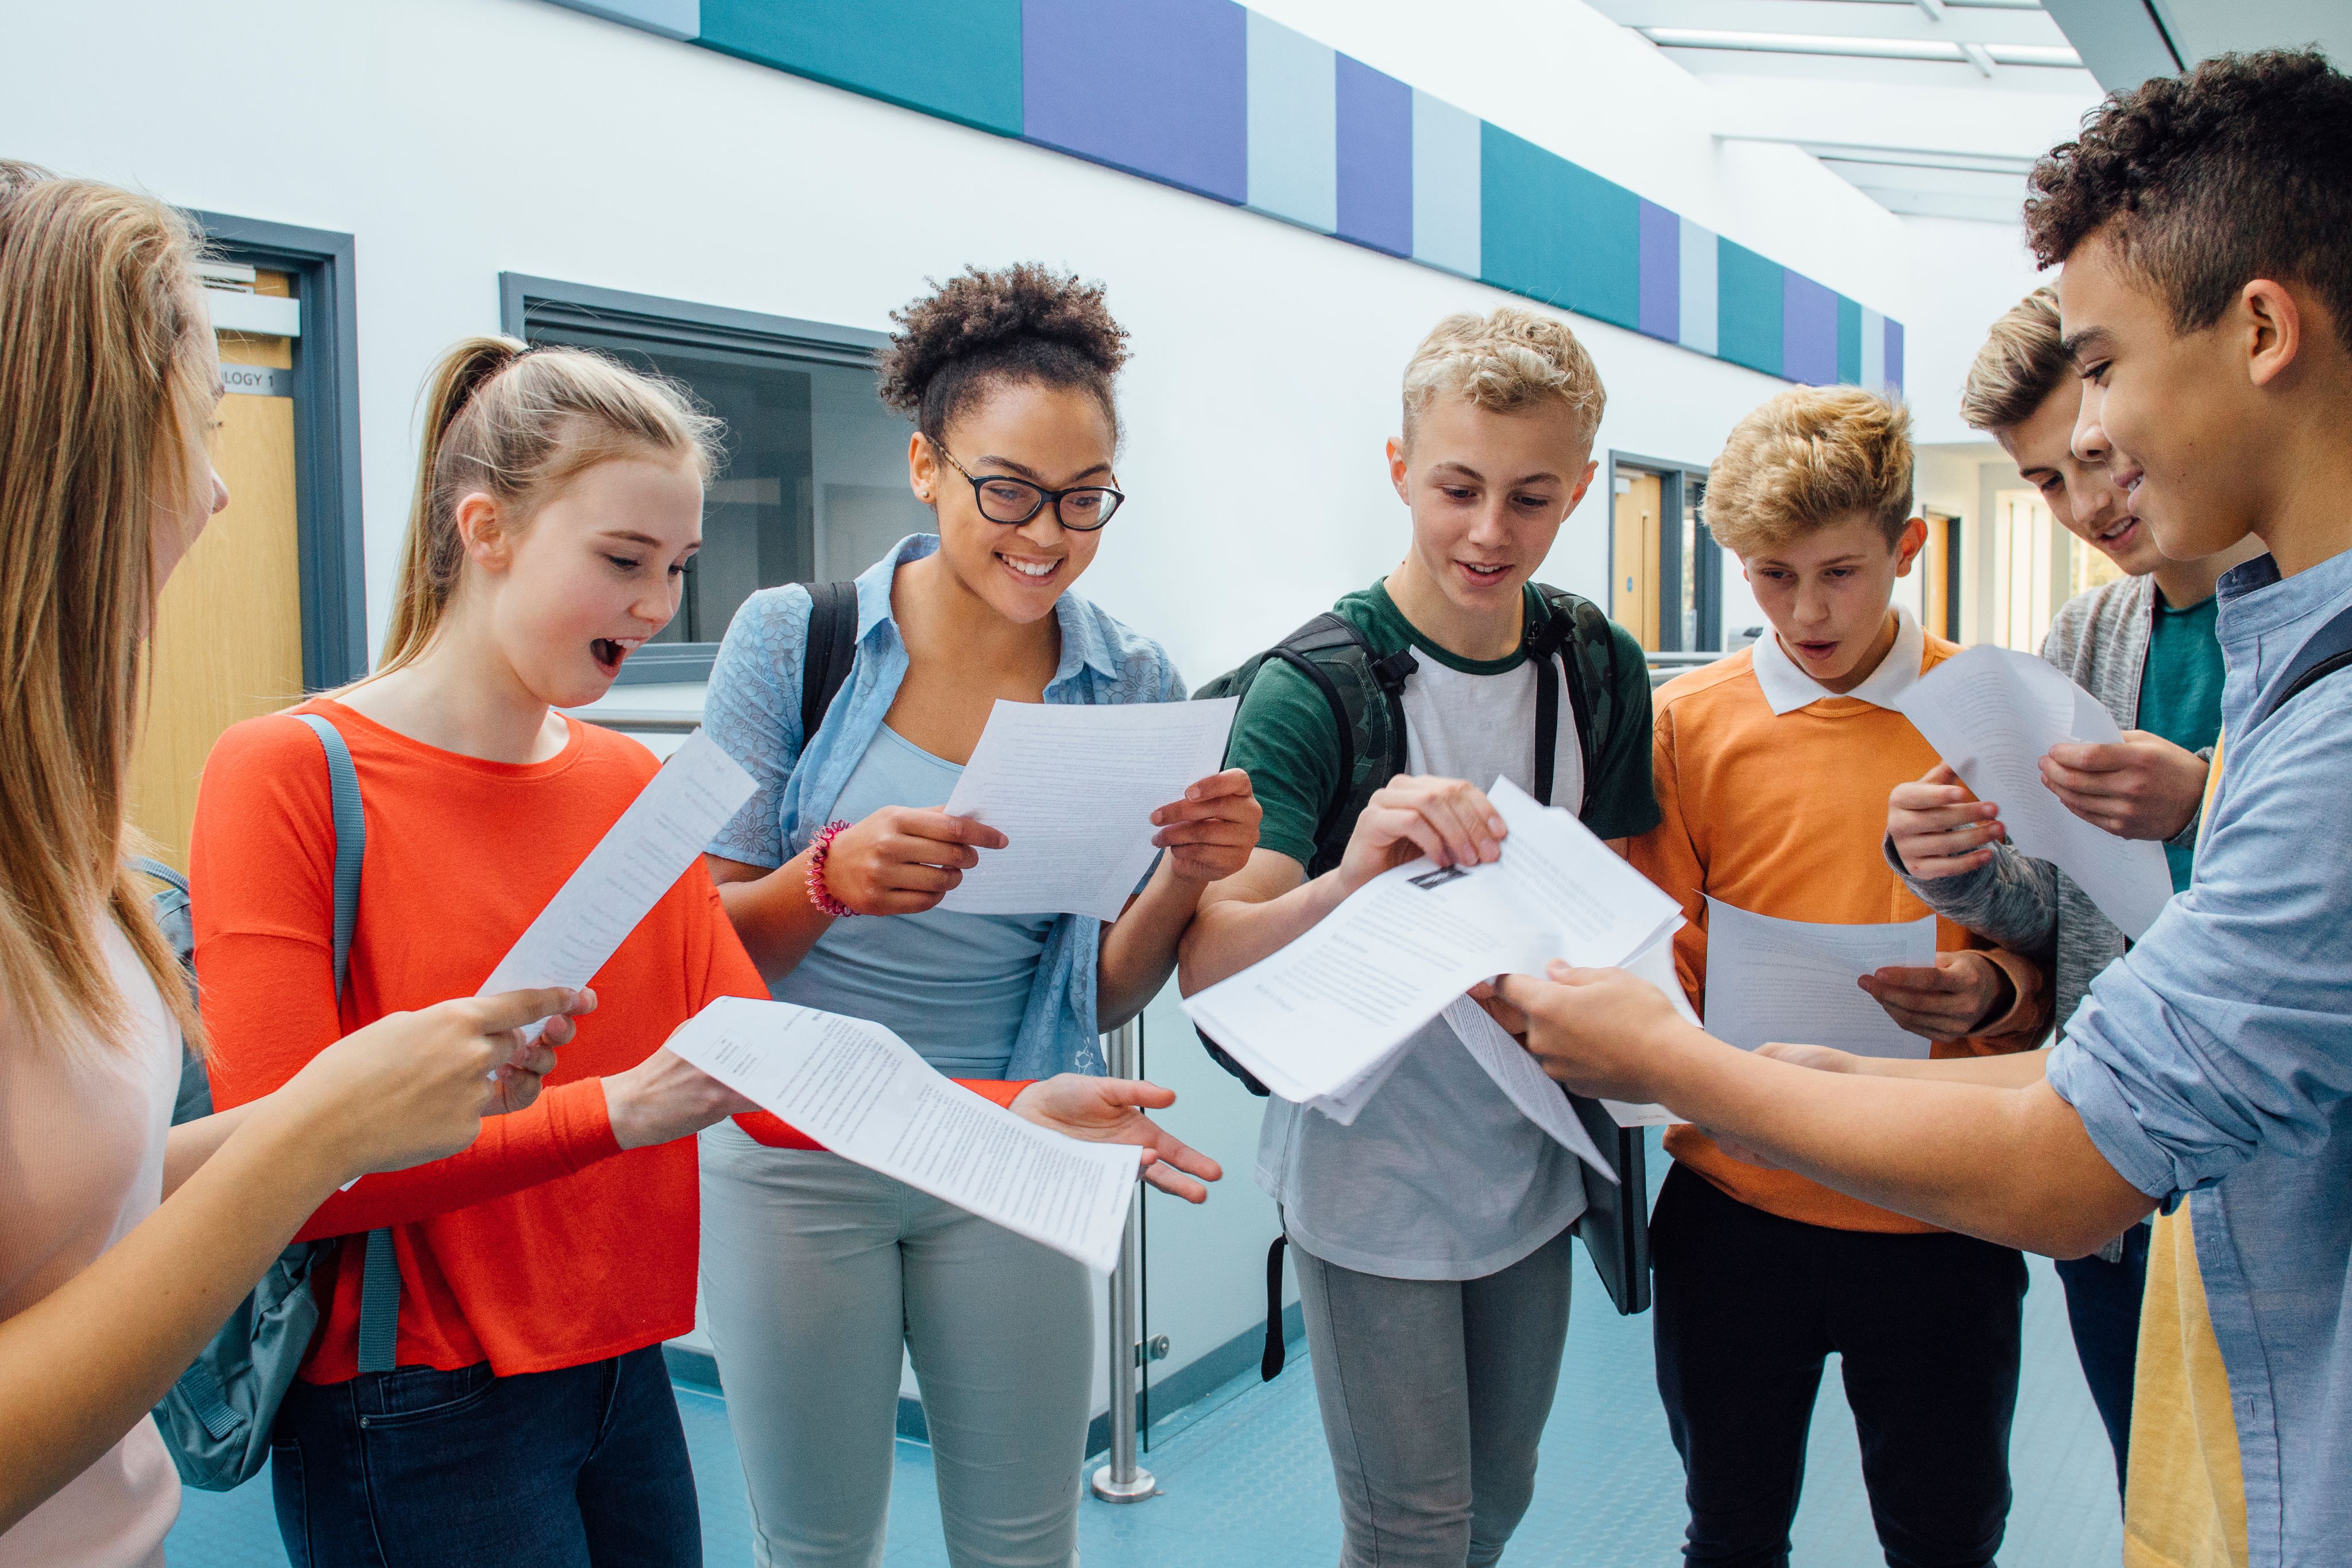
1662, 273
1895, 355
1375, 146
1158, 88
1808, 331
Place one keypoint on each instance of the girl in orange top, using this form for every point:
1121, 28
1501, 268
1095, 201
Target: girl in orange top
528, 1418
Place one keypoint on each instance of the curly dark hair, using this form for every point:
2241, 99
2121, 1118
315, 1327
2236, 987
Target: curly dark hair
2241, 168
1022, 323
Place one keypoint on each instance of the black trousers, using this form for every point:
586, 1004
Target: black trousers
1748, 1307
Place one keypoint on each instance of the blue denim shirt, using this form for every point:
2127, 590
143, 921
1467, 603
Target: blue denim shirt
2213, 1062
753, 711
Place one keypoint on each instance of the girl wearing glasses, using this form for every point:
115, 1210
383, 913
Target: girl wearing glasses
816, 1272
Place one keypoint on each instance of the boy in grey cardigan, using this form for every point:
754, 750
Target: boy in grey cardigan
2145, 647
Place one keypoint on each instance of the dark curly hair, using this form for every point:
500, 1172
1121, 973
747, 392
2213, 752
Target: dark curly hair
2241, 168
1023, 323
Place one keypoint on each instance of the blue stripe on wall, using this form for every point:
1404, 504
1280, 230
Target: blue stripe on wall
1445, 186
1662, 273
1293, 150
1700, 262
1749, 296
1808, 331
1214, 99
1158, 88
680, 19
958, 59
1375, 163
1558, 232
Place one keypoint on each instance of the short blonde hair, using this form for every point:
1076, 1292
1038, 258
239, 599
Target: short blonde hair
2018, 367
1507, 361
1808, 459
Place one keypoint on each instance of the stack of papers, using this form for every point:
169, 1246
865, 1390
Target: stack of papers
863, 1092
1324, 1021
1073, 789
1991, 713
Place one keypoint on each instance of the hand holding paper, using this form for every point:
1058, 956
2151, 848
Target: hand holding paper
1073, 789
863, 1092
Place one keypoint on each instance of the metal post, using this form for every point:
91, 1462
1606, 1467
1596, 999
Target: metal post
1122, 1480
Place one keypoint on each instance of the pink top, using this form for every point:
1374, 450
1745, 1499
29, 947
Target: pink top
82, 1162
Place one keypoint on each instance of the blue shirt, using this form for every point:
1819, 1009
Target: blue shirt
2213, 1062
753, 711
951, 984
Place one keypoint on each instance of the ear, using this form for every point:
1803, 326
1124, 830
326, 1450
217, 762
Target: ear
1907, 547
1397, 469
481, 530
923, 469
2274, 327
1583, 483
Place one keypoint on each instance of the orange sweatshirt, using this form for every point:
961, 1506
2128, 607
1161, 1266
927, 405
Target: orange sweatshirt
1785, 815
542, 1245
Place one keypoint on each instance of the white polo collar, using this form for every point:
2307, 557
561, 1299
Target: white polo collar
1787, 688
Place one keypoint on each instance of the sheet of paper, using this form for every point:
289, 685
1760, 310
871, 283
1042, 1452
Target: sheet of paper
639, 859
1515, 1073
1315, 1018
1074, 787
865, 1095
1654, 964
1991, 713
1770, 980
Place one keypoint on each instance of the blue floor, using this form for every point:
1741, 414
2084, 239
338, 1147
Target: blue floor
1246, 1482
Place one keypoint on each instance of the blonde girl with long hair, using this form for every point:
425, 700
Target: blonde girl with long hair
526, 1415
129, 1242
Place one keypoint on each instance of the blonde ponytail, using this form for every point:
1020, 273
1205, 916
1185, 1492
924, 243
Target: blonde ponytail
104, 397
515, 423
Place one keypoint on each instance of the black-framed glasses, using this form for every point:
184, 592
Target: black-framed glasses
1002, 498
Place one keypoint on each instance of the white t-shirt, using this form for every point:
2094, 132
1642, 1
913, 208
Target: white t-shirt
82, 1162
1440, 1177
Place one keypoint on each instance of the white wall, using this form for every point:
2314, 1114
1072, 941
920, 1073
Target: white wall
456, 138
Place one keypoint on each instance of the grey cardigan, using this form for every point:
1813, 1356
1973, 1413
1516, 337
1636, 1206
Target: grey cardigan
2100, 640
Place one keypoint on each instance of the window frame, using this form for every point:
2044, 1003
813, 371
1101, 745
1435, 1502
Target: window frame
1676, 482
657, 323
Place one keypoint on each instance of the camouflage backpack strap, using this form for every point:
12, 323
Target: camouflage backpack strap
1366, 695
1586, 642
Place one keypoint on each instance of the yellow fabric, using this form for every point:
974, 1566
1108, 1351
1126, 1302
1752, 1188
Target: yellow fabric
2184, 1497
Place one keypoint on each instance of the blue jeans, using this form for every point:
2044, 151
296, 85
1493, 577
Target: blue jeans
584, 1467
2103, 1301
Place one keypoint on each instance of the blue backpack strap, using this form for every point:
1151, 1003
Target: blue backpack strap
380, 1275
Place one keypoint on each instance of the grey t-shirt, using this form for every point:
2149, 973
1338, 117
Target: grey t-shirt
1440, 1177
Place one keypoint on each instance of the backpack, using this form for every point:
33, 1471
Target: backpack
1367, 700
2323, 654
216, 1418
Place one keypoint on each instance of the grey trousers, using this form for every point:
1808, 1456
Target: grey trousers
815, 1273
1435, 1394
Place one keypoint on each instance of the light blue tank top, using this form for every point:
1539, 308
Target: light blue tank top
953, 986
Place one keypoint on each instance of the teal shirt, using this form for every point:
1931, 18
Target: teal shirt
2181, 693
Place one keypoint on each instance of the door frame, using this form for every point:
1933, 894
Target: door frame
330, 545
1675, 481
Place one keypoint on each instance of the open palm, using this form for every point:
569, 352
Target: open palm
1111, 1110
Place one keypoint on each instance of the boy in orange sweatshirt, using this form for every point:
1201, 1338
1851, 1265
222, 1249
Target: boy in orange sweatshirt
1773, 770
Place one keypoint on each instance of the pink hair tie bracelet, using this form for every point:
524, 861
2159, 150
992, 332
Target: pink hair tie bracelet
819, 849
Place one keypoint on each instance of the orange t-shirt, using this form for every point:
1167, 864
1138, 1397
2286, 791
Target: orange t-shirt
1786, 815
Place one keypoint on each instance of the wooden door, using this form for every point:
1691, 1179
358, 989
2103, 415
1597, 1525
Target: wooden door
228, 633
1936, 577
1633, 558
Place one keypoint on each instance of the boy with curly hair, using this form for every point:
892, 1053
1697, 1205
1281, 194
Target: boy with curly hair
2206, 227
1772, 769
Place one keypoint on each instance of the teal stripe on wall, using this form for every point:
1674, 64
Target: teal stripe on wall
958, 59
1749, 293
1556, 232
1483, 203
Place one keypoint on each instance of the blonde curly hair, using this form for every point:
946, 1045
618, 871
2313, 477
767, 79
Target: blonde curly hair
1507, 361
1809, 458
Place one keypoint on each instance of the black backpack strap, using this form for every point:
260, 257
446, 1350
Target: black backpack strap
832, 649
1270, 1359
1327, 650
1575, 627
2323, 654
